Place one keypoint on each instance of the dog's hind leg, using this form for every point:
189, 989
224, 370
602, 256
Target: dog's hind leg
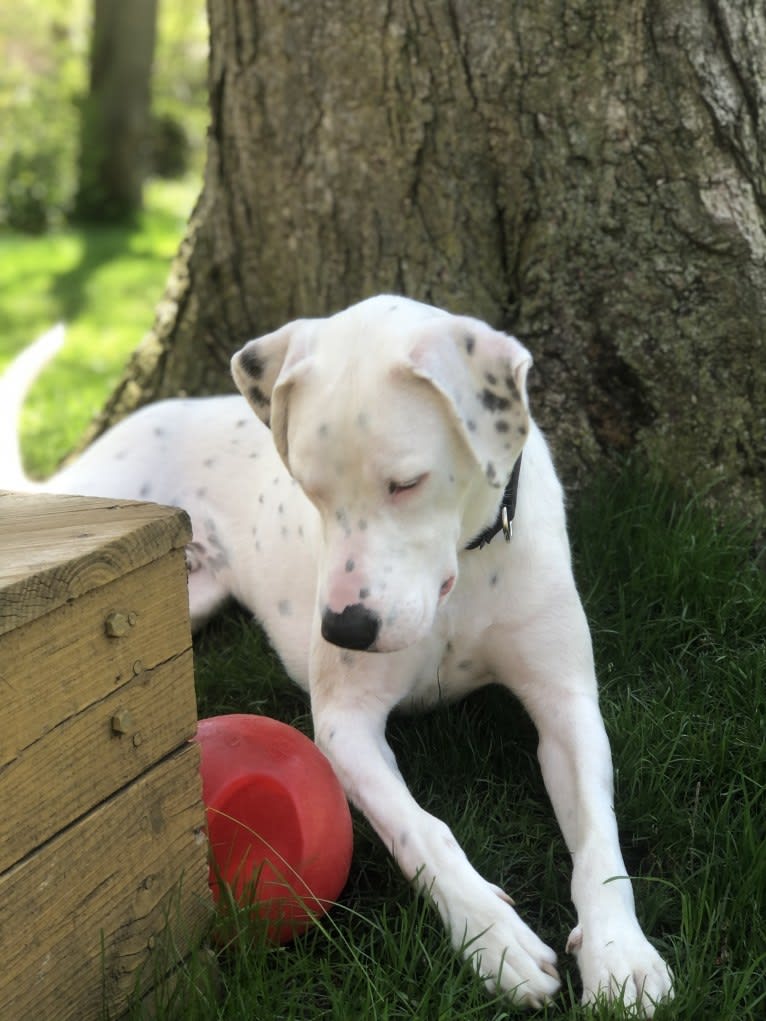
206, 593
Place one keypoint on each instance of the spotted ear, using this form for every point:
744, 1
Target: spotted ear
481, 373
264, 367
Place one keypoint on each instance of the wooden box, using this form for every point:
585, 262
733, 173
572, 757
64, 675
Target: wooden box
103, 852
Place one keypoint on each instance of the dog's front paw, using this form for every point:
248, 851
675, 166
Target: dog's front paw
621, 966
505, 952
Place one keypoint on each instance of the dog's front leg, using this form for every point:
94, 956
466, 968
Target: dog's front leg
548, 663
351, 695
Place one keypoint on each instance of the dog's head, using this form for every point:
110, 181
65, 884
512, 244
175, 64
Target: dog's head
401, 423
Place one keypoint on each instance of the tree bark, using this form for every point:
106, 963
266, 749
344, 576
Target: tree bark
590, 176
115, 128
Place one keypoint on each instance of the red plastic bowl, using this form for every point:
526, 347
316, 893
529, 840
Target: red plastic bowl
278, 822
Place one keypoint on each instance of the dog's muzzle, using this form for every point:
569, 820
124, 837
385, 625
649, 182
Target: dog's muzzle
355, 627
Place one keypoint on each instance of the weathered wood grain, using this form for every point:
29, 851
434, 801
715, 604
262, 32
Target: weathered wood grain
61, 663
83, 761
82, 918
57, 548
102, 829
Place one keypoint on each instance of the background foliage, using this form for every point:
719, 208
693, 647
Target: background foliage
43, 80
104, 280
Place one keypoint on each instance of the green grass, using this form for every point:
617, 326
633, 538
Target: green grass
104, 283
678, 613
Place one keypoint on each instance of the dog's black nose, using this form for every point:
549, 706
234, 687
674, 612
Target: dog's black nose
355, 628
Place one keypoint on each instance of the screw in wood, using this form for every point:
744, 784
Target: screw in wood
116, 624
123, 722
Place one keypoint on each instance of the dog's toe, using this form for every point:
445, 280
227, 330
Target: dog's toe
513, 960
627, 970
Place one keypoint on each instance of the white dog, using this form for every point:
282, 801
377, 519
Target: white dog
359, 531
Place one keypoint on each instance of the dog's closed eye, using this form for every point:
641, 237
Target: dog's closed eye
397, 488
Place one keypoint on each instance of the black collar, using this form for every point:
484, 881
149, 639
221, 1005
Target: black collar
505, 515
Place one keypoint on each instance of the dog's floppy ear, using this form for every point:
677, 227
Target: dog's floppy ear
481, 373
264, 367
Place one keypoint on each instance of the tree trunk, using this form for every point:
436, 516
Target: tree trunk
590, 176
115, 129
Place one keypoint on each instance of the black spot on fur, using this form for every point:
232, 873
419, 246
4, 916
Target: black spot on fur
502, 426
364, 593
470, 343
491, 378
349, 566
257, 396
251, 363
341, 516
494, 402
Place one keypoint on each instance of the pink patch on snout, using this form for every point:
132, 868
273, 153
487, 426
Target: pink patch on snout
446, 587
346, 586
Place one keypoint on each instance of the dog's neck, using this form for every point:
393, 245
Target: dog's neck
504, 521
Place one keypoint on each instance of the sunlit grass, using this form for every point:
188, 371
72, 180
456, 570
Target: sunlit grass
104, 283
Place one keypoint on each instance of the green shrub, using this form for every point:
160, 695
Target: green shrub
34, 193
170, 147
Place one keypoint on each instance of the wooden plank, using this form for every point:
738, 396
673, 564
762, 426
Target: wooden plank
62, 663
83, 761
56, 548
81, 918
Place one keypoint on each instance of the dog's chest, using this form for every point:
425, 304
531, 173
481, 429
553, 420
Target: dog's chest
448, 671
454, 659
